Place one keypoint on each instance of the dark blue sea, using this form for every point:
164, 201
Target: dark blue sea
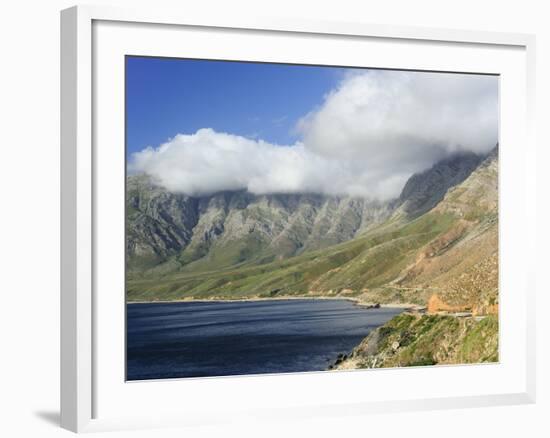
173, 340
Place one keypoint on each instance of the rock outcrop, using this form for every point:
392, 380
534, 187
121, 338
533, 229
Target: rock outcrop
423, 191
229, 228
417, 340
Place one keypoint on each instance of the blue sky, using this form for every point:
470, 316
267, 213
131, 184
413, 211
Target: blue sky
222, 125
167, 96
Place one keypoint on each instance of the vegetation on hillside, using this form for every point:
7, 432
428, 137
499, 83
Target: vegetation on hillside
416, 340
349, 268
435, 250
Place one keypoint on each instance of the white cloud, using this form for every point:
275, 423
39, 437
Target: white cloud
369, 135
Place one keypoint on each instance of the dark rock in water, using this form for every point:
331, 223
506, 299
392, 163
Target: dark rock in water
339, 359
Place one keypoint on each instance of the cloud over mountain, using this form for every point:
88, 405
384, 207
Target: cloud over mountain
371, 133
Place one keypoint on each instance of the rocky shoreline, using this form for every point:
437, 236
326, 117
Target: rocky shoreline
418, 339
342, 357
412, 338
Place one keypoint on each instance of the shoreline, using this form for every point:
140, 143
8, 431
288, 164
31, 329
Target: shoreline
358, 302
355, 301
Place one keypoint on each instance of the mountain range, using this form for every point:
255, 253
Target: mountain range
436, 244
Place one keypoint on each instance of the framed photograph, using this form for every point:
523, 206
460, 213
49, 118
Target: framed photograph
277, 218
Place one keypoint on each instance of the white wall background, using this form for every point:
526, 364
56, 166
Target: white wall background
29, 215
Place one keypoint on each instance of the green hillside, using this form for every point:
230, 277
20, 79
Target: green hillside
365, 262
246, 247
414, 340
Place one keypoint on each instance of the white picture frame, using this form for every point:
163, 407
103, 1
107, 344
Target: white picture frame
90, 37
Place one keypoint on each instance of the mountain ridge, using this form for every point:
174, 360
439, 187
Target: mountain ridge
168, 232
445, 258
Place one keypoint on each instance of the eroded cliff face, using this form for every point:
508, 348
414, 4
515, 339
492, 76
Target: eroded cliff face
425, 190
229, 228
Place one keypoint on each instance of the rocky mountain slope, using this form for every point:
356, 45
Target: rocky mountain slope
246, 246
459, 270
229, 228
423, 191
169, 232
